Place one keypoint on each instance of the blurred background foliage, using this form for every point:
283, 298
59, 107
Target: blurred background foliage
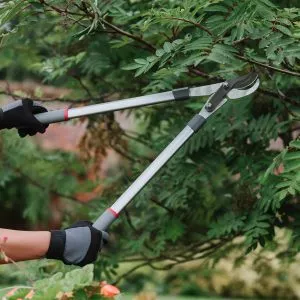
236, 180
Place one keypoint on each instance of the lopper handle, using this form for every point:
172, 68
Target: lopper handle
106, 219
67, 114
53, 116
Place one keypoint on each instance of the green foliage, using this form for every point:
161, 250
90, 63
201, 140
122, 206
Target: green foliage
73, 284
10, 10
72, 281
44, 174
162, 55
279, 187
57, 67
226, 182
227, 224
258, 229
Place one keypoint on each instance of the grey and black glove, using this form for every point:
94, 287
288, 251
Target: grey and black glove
76, 245
20, 115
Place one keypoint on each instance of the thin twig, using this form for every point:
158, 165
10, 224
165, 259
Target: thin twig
60, 11
108, 24
128, 218
138, 140
130, 272
83, 86
130, 35
16, 287
122, 153
268, 66
79, 101
193, 23
169, 210
150, 262
276, 95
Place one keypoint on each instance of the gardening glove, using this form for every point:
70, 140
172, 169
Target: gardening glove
20, 115
76, 245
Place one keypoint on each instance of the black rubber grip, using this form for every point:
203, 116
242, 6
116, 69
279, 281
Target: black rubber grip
181, 94
196, 122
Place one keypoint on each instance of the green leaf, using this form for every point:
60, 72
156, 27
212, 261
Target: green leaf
79, 278
268, 3
292, 155
131, 67
167, 47
228, 224
264, 43
291, 166
285, 21
216, 8
141, 61
282, 194
295, 144
160, 52
283, 29
10, 10
174, 230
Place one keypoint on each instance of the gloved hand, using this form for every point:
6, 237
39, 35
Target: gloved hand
76, 245
20, 115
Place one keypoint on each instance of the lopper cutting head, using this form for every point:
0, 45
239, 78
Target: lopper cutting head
231, 89
245, 88
238, 87
243, 82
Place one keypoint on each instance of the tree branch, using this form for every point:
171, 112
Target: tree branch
130, 272
193, 23
205, 252
169, 210
128, 218
83, 86
122, 153
267, 66
137, 139
79, 101
108, 24
280, 96
60, 11
130, 35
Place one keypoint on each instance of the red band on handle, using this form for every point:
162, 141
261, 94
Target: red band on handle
113, 212
66, 115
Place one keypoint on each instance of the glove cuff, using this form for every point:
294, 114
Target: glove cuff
2, 126
57, 244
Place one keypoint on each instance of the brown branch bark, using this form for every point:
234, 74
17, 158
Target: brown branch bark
59, 10
282, 97
130, 35
83, 86
267, 66
129, 221
193, 23
71, 101
169, 210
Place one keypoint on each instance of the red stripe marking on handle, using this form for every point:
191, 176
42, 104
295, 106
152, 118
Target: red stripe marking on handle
113, 212
66, 114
